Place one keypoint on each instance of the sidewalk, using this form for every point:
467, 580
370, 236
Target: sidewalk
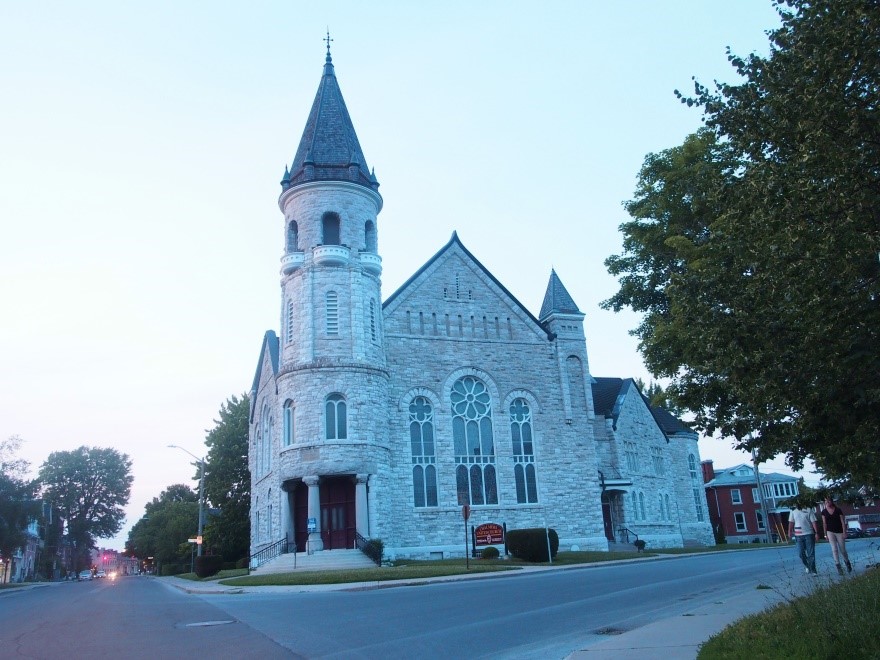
679, 638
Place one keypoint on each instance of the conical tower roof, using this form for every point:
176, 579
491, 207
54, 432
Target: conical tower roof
329, 149
557, 299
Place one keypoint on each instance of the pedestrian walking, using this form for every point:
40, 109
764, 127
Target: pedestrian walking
803, 530
835, 531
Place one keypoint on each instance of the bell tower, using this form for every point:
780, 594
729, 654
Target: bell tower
332, 383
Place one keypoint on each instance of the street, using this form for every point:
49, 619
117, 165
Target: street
546, 614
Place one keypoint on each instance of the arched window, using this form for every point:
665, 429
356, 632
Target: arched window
270, 534
265, 441
473, 442
523, 452
258, 452
668, 511
635, 505
335, 417
576, 383
421, 438
330, 229
370, 236
642, 506
256, 522
332, 307
696, 487
292, 237
288, 423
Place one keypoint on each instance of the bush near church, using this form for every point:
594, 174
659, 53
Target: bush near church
490, 552
531, 544
208, 565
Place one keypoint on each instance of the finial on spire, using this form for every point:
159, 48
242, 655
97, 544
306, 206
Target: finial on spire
327, 40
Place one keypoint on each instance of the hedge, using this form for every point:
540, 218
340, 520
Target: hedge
531, 544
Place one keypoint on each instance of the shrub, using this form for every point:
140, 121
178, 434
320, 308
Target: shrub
244, 562
374, 549
490, 552
531, 544
640, 544
209, 565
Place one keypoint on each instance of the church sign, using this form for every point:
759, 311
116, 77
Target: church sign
489, 534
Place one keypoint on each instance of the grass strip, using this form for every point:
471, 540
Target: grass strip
837, 620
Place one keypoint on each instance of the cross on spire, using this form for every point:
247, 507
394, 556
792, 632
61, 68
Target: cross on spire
327, 40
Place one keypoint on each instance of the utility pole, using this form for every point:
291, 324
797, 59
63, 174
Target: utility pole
761, 497
201, 462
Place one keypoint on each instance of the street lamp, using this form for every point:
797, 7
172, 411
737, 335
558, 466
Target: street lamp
201, 493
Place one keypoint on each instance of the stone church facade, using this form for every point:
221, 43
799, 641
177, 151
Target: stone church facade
381, 420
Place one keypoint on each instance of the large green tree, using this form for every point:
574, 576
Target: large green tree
764, 308
228, 481
18, 494
168, 522
89, 486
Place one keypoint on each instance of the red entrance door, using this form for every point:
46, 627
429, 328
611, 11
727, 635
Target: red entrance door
337, 513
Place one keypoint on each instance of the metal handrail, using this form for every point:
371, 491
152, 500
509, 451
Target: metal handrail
268, 553
361, 544
626, 532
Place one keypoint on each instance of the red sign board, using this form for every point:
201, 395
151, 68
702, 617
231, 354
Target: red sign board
489, 534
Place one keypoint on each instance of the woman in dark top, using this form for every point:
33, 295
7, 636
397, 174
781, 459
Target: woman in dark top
835, 532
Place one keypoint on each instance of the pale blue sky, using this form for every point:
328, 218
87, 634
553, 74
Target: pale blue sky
141, 145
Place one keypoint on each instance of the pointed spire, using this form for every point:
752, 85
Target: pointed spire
329, 149
557, 299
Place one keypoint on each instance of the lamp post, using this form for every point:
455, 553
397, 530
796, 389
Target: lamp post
201, 462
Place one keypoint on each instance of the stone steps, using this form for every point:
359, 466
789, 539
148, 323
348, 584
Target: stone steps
325, 560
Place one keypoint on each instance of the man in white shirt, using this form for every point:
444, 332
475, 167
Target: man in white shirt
802, 529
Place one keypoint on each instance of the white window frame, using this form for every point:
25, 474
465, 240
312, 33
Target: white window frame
739, 519
736, 496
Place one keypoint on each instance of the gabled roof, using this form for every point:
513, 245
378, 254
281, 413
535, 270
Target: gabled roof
557, 299
270, 344
329, 147
453, 243
608, 394
729, 477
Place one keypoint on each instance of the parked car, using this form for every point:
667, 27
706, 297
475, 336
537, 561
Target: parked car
85, 575
872, 531
101, 574
854, 533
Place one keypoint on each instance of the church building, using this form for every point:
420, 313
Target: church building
381, 420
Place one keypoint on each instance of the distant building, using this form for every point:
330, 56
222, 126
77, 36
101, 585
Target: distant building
735, 503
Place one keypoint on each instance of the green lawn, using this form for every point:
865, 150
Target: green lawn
406, 569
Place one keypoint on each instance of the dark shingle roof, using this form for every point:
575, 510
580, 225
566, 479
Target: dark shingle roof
270, 344
329, 147
557, 299
606, 396
605, 393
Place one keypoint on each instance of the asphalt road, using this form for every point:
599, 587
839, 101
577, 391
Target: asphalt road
546, 614
132, 617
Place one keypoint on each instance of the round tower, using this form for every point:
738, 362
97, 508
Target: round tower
332, 382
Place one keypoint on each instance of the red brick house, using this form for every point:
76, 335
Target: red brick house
734, 502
